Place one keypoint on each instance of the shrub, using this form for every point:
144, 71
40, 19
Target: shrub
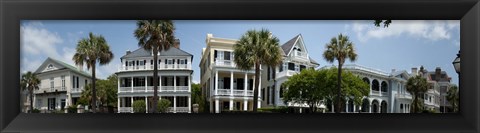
72, 109
35, 111
139, 106
274, 110
163, 105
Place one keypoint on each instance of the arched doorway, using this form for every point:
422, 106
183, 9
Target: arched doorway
384, 86
350, 105
365, 106
384, 107
375, 106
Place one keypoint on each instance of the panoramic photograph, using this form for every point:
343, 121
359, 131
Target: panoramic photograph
239, 66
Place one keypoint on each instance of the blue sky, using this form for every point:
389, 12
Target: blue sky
401, 46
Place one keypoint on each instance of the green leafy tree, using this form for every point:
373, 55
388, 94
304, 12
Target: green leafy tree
453, 97
139, 106
307, 87
106, 92
339, 48
89, 51
163, 105
417, 86
197, 97
30, 82
257, 48
386, 23
155, 36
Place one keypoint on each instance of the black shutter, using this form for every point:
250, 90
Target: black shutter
77, 82
151, 62
178, 61
273, 94
215, 56
268, 73
165, 61
73, 79
185, 61
137, 62
144, 62
173, 61
126, 63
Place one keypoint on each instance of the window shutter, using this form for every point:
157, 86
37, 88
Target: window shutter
215, 55
151, 62
165, 61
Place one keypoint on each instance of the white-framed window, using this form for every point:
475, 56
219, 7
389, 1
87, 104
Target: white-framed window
297, 67
39, 103
169, 61
63, 82
52, 83
182, 62
220, 55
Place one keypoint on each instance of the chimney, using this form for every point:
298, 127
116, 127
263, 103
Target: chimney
176, 44
128, 52
414, 71
438, 72
393, 70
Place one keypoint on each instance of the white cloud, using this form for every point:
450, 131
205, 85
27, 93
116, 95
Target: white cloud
36, 40
29, 65
430, 30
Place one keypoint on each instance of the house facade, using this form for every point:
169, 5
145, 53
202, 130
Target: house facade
295, 59
224, 86
135, 79
440, 83
60, 85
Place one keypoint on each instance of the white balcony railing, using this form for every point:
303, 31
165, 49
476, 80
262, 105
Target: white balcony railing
225, 63
407, 96
76, 90
150, 89
50, 89
125, 109
287, 73
159, 67
301, 55
228, 92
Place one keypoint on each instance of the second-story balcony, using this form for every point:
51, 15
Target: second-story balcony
51, 89
403, 96
234, 92
300, 55
159, 67
150, 89
76, 90
225, 63
287, 73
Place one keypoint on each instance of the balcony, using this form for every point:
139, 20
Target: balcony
300, 55
159, 67
225, 63
228, 92
404, 96
150, 89
286, 73
76, 90
51, 90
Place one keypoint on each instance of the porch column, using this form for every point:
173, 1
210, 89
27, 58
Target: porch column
118, 105
217, 104
346, 106
174, 104
131, 103
245, 85
175, 83
231, 83
354, 108
118, 83
231, 104
370, 107
189, 104
146, 85
245, 105
146, 104
131, 83
189, 83
216, 82
333, 107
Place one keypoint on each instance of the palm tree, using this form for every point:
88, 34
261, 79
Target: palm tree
417, 86
155, 36
453, 97
340, 49
89, 51
257, 48
30, 82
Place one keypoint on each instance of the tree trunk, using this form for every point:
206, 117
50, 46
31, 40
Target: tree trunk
31, 100
94, 91
339, 88
415, 104
256, 88
155, 80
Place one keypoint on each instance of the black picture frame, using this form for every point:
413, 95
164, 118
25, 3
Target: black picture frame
12, 11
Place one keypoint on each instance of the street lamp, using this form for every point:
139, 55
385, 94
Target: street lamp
456, 65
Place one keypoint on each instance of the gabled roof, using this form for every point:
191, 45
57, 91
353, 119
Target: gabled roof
287, 47
313, 61
404, 72
61, 63
172, 51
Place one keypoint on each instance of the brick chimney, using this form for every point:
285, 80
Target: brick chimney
128, 52
176, 44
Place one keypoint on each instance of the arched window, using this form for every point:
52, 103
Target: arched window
375, 85
384, 86
366, 80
